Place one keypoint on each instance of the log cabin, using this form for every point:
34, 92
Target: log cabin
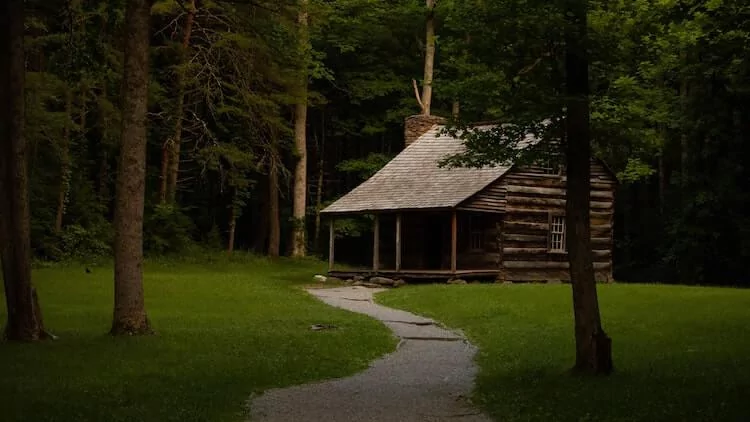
506, 222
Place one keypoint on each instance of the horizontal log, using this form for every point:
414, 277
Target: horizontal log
524, 238
523, 181
489, 211
549, 265
536, 190
552, 202
518, 210
601, 239
515, 225
524, 200
546, 191
516, 251
602, 254
488, 201
600, 229
598, 182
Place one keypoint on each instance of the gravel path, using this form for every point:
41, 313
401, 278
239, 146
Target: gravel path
427, 379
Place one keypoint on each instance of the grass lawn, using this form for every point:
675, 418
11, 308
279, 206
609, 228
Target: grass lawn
224, 331
680, 353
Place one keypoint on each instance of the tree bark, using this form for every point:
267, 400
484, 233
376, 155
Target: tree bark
321, 176
24, 314
429, 59
232, 228
299, 208
129, 310
274, 223
684, 153
174, 145
593, 346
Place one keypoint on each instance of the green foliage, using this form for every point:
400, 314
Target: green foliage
167, 230
635, 170
366, 167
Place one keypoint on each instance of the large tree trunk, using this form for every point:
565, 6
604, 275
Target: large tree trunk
232, 229
429, 59
174, 145
593, 346
274, 221
24, 315
299, 247
130, 313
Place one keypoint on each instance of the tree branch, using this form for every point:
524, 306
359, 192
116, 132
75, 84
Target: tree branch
416, 93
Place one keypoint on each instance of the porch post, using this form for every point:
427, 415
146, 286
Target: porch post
376, 244
454, 240
331, 242
398, 242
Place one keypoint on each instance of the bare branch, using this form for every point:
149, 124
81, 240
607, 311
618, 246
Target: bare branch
416, 93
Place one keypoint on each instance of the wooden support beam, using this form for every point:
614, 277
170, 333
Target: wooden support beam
454, 240
398, 242
331, 244
376, 244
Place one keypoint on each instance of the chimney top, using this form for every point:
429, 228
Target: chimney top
417, 125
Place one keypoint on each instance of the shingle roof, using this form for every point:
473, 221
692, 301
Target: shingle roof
413, 180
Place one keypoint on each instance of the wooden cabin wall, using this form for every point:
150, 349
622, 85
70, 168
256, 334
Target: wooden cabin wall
531, 196
491, 199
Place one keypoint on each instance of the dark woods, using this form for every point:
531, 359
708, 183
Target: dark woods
669, 114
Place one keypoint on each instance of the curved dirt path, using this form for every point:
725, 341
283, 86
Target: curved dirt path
428, 377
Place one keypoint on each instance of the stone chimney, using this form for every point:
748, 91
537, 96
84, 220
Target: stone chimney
417, 125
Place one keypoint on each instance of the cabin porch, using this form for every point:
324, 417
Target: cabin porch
415, 245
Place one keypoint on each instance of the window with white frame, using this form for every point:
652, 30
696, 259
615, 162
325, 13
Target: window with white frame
557, 233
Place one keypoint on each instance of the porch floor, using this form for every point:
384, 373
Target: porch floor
416, 274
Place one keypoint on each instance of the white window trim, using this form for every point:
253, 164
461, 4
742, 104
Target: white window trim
558, 242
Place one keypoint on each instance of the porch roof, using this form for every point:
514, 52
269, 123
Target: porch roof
413, 180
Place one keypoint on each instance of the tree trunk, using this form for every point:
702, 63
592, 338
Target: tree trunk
593, 346
319, 201
64, 161
175, 144
684, 157
260, 234
129, 310
662, 183
274, 222
232, 228
24, 314
321, 176
299, 208
429, 59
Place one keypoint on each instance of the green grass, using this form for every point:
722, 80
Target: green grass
680, 353
224, 331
